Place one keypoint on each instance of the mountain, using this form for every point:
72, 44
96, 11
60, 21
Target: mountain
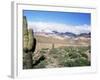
86, 35
69, 34
72, 35
65, 34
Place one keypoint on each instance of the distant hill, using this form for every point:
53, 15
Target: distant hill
72, 35
63, 38
86, 35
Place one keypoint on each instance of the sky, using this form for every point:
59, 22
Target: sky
49, 21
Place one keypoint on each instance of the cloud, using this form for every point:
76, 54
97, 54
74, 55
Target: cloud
49, 27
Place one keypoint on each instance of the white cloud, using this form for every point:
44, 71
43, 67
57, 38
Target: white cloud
49, 27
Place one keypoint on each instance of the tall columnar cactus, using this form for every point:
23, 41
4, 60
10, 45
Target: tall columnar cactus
25, 33
30, 39
52, 45
28, 45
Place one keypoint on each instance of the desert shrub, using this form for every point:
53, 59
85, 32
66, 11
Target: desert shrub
69, 63
82, 61
54, 51
84, 55
42, 64
75, 62
74, 56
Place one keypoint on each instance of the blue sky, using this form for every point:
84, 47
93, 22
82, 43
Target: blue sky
69, 18
48, 21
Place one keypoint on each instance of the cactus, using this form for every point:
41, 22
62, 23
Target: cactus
30, 38
52, 45
25, 34
27, 60
29, 44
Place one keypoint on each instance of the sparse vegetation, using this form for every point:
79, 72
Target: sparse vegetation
67, 56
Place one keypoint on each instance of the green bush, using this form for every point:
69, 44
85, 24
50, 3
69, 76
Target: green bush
82, 61
42, 64
74, 56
